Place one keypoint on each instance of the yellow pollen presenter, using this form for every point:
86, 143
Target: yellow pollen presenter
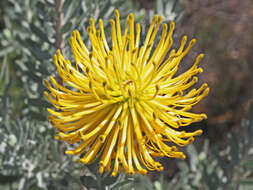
123, 105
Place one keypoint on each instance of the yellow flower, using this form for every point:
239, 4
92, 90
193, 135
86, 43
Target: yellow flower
124, 105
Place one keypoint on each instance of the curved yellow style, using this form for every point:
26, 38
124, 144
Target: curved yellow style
123, 104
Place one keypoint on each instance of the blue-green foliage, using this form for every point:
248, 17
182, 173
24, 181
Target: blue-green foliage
30, 159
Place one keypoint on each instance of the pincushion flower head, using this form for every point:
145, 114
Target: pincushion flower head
123, 105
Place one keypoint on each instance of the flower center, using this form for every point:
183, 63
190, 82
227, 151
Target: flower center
130, 89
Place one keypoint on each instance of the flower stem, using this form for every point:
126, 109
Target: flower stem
59, 24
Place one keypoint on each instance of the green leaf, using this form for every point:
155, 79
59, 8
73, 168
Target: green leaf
55, 152
33, 76
234, 152
109, 180
247, 164
2, 137
40, 8
118, 3
3, 68
105, 8
76, 9
66, 5
146, 182
159, 7
93, 167
89, 182
66, 28
34, 48
38, 102
42, 35
250, 113
5, 50
5, 179
121, 184
70, 8
37, 116
246, 181
183, 166
169, 6
249, 129
222, 163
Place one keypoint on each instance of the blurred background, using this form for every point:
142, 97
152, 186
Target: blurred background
32, 30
